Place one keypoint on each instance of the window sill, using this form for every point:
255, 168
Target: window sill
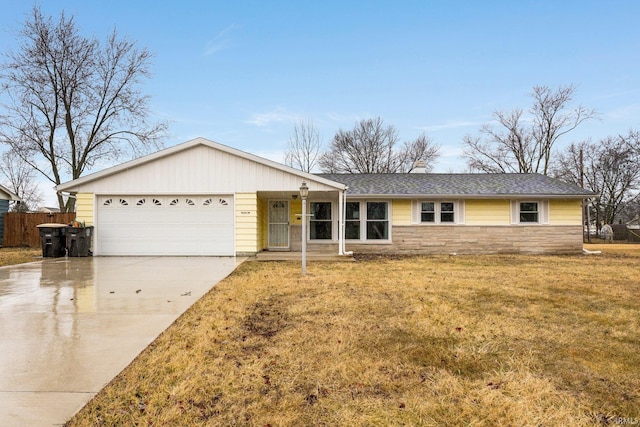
368, 242
435, 224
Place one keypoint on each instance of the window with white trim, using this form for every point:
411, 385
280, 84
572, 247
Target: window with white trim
447, 212
367, 221
427, 212
352, 224
320, 221
377, 221
529, 212
432, 212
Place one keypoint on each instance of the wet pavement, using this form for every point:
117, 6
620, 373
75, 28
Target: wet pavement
70, 325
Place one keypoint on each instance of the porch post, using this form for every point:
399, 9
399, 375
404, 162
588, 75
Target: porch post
341, 213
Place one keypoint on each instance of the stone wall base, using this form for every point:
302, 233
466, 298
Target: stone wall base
541, 239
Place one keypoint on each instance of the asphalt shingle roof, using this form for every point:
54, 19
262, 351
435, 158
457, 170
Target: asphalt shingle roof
478, 185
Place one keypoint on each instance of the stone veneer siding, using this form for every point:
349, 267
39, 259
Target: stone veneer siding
443, 239
541, 239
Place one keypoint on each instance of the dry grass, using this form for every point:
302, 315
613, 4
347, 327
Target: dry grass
11, 256
466, 340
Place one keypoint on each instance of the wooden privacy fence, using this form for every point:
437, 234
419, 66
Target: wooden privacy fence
20, 228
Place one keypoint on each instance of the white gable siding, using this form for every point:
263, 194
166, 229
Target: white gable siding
199, 169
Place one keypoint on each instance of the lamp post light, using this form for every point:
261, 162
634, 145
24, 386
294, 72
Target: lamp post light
304, 193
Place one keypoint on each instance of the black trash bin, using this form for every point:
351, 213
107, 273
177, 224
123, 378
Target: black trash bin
78, 241
53, 240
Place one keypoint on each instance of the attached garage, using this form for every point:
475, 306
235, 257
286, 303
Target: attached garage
198, 198
166, 225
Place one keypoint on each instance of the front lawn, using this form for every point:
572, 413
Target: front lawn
441, 340
11, 256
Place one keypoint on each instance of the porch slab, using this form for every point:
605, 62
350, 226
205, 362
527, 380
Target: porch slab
297, 256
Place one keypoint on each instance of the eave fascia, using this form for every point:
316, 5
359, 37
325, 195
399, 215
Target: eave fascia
470, 196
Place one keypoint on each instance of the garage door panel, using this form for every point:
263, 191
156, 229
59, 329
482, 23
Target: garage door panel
165, 225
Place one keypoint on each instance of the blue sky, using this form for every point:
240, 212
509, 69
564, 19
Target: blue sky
243, 72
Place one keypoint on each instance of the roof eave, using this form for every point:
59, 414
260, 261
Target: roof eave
12, 196
471, 196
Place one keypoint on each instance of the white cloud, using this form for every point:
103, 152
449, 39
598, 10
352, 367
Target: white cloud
278, 115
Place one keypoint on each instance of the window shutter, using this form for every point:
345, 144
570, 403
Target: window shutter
544, 211
460, 212
415, 211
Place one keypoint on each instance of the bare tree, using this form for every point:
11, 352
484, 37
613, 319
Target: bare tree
619, 171
522, 143
304, 146
74, 101
370, 147
610, 168
421, 148
20, 178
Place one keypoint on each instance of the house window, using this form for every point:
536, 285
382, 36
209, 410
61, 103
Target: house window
529, 212
377, 221
352, 225
320, 221
437, 212
447, 212
428, 212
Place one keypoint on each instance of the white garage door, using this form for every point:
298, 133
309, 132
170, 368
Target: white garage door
165, 225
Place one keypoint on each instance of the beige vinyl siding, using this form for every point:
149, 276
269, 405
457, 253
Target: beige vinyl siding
401, 212
247, 223
262, 224
85, 208
565, 212
487, 212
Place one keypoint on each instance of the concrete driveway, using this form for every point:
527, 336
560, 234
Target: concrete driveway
68, 326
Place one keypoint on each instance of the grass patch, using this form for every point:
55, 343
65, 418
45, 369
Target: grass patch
466, 340
11, 256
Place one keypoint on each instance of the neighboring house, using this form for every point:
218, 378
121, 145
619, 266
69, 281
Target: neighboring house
204, 198
633, 229
6, 196
48, 209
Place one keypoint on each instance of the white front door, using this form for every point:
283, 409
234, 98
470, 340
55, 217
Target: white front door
278, 224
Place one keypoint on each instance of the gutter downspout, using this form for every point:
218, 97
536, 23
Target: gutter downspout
341, 211
343, 223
